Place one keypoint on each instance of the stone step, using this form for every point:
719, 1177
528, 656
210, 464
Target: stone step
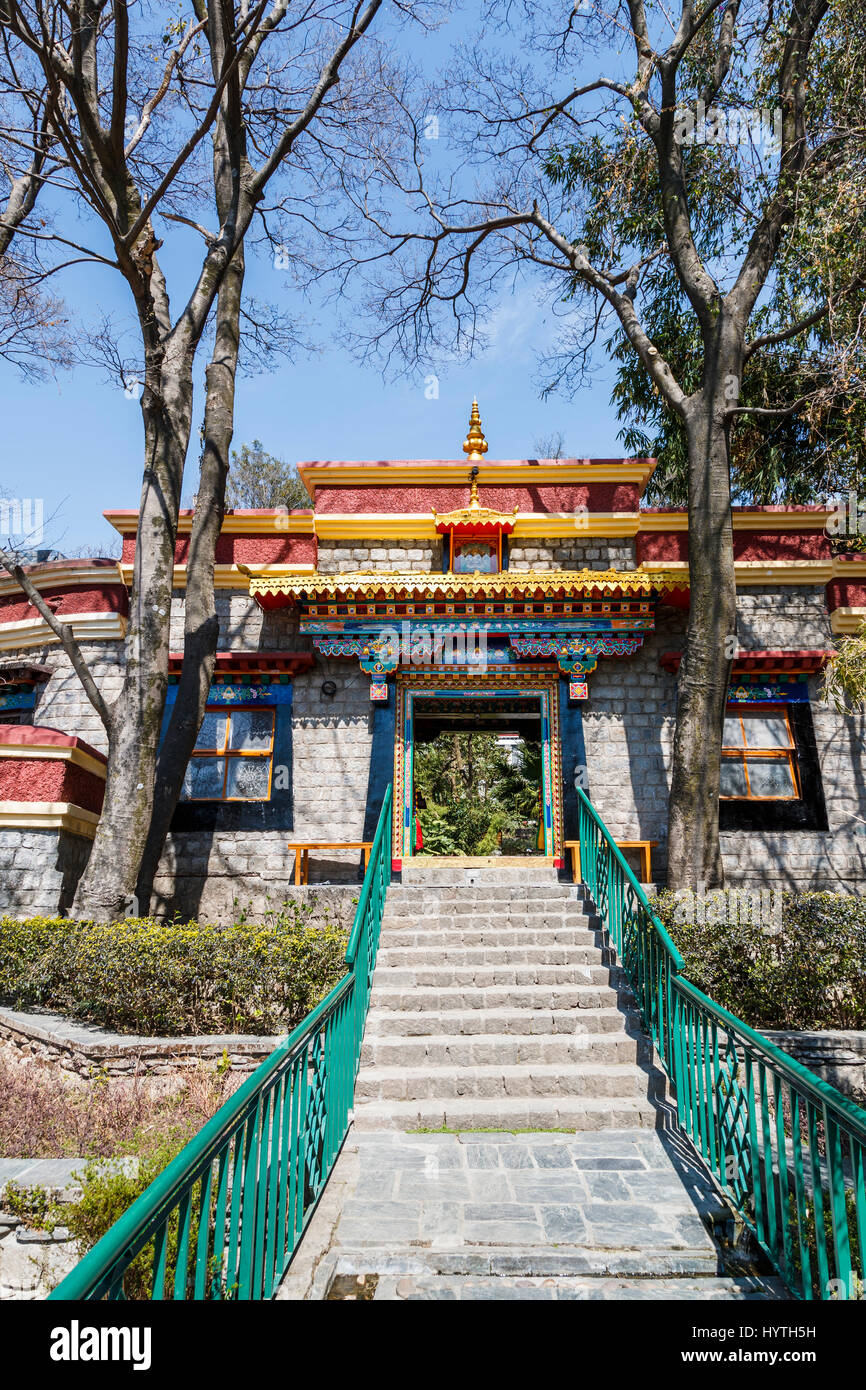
505, 1050
439, 873
514, 997
477, 920
496, 1081
492, 976
545, 1022
491, 895
499, 1262
571, 1113
392, 957
491, 1288
429, 905
403, 933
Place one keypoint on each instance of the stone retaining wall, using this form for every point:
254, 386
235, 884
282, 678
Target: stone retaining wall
81, 1048
837, 1056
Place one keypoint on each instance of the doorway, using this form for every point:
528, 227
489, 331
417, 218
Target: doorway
477, 780
477, 769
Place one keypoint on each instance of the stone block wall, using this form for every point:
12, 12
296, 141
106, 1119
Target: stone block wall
628, 725
61, 702
244, 626
422, 556
214, 874
573, 552
771, 617
39, 870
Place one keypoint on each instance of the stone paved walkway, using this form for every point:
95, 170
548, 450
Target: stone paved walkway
587, 1215
41, 1172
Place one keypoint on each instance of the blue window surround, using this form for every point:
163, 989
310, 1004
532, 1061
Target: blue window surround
278, 812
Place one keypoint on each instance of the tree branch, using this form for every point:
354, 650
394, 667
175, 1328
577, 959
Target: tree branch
63, 633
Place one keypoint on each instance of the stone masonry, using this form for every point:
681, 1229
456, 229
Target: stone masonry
570, 553
39, 870
499, 1019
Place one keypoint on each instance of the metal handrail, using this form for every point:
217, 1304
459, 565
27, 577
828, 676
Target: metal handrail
224, 1218
787, 1148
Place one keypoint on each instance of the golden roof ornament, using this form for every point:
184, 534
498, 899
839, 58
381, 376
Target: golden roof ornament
475, 518
475, 445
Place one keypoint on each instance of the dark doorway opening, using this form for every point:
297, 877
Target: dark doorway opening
477, 777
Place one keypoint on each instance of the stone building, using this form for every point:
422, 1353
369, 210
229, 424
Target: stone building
428, 594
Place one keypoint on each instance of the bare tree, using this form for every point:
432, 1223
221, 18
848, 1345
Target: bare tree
34, 335
600, 185
129, 167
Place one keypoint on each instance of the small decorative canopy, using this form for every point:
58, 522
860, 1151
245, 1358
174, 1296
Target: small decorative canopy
475, 445
475, 520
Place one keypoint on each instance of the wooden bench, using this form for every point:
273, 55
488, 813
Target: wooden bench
645, 848
302, 853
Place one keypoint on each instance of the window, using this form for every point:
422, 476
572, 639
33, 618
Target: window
233, 757
759, 761
469, 556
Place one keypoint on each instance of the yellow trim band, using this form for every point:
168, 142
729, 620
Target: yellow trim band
61, 753
48, 815
87, 627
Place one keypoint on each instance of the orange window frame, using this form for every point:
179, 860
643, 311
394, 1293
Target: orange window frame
469, 539
227, 753
744, 752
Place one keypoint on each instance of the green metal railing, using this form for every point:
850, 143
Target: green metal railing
788, 1150
224, 1218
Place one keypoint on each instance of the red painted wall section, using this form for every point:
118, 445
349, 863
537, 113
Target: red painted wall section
41, 779
102, 598
748, 545
546, 497
24, 778
846, 593
279, 549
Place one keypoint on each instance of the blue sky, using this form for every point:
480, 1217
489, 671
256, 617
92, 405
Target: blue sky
76, 441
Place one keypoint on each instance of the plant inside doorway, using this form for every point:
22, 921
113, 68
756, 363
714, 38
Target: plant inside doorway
477, 793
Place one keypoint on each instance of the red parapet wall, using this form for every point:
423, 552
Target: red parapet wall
785, 546
846, 593
423, 498
66, 602
39, 764
39, 779
234, 549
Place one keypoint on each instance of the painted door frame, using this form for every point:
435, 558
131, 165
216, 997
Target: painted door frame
502, 685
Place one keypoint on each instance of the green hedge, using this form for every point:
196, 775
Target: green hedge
804, 968
158, 978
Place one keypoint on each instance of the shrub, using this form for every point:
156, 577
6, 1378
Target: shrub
32, 1205
108, 1189
46, 1114
173, 978
808, 971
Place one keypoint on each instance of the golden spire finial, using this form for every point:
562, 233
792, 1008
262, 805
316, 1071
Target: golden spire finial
475, 445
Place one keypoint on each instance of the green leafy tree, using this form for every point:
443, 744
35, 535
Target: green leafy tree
742, 256
471, 794
259, 479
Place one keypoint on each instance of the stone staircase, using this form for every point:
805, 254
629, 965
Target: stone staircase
496, 1005
511, 1139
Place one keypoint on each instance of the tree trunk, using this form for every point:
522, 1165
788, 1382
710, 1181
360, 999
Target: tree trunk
107, 886
201, 624
694, 854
